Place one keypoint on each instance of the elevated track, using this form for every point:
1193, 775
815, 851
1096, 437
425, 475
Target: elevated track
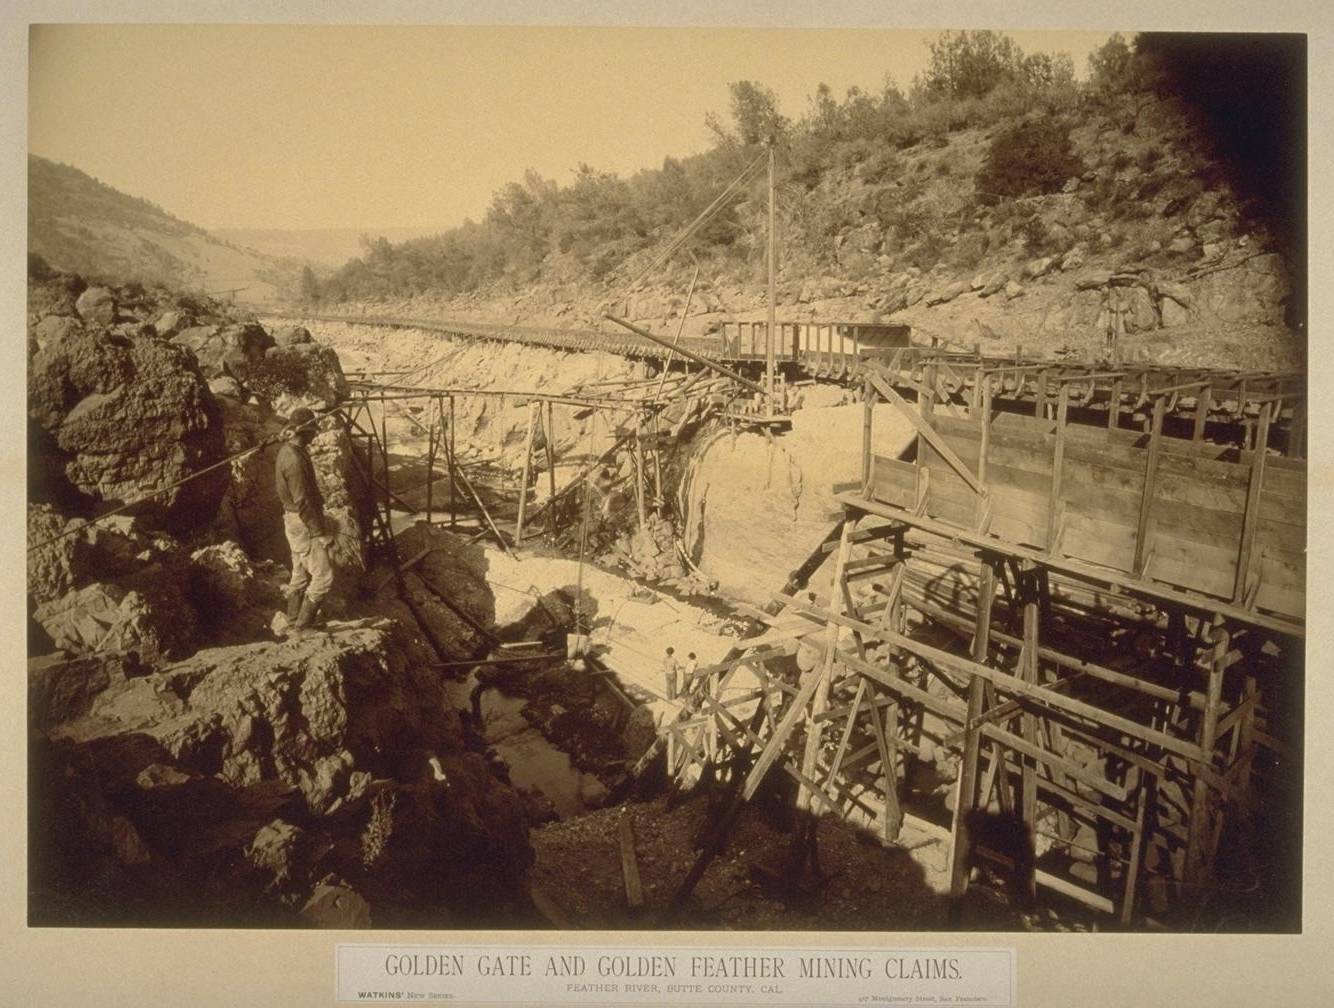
1201, 404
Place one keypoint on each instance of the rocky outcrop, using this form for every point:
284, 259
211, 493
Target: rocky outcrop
248, 780
143, 615
300, 373
235, 597
250, 514
125, 419
244, 360
236, 346
107, 587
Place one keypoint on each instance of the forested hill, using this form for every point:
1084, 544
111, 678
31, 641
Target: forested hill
80, 225
997, 191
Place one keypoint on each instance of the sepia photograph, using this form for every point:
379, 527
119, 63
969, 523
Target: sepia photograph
512, 479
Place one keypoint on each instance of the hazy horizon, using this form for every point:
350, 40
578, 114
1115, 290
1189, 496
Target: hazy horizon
349, 127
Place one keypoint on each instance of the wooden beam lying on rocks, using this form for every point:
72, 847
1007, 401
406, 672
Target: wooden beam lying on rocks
634, 891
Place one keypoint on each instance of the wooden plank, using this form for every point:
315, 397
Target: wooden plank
945, 507
888, 774
1150, 477
846, 737
634, 891
838, 598
782, 732
1093, 541
1051, 759
966, 795
893, 481
1272, 598
927, 432
1125, 450
1198, 855
1190, 565
1245, 556
1206, 511
1074, 567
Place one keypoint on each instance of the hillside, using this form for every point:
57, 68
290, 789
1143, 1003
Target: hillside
78, 224
328, 247
998, 202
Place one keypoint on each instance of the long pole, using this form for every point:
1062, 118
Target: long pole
773, 294
688, 354
453, 465
667, 364
533, 408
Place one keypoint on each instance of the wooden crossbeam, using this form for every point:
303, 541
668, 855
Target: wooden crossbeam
929, 433
853, 711
1251, 518
791, 718
1010, 684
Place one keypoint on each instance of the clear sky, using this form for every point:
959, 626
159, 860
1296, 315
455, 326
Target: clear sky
306, 126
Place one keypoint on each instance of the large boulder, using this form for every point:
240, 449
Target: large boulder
250, 513
144, 614
62, 688
170, 322
949, 293
106, 587
307, 712
97, 305
126, 420
68, 553
234, 597
236, 346
290, 335
299, 374
53, 329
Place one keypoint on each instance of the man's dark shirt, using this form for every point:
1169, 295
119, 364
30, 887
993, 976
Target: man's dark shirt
297, 489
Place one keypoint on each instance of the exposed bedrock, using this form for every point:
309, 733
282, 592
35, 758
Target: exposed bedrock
264, 771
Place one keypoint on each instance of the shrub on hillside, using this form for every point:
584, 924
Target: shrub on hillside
1030, 158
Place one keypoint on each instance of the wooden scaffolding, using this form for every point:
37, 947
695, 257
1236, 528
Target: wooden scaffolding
1097, 630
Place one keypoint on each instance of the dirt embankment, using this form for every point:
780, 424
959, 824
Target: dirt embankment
756, 507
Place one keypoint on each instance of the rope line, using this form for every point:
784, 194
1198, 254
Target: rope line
703, 218
286, 432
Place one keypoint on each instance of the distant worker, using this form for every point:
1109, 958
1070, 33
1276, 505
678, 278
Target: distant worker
688, 673
304, 521
671, 673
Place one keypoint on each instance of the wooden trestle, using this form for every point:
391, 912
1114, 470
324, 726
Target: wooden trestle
1096, 629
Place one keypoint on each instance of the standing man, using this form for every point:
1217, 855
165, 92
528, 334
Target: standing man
307, 528
671, 673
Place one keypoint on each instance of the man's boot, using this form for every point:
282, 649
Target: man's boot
305, 619
294, 601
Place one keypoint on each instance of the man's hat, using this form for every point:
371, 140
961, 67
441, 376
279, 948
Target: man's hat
301, 417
